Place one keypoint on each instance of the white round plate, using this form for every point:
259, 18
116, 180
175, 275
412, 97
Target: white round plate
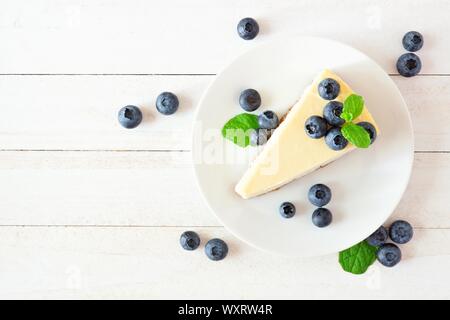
367, 184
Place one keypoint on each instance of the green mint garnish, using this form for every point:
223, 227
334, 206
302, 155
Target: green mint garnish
357, 135
358, 258
348, 117
353, 106
238, 129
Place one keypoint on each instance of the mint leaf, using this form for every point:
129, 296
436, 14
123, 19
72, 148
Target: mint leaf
357, 135
238, 129
348, 117
358, 258
353, 105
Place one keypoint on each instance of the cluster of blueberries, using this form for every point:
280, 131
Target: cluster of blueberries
319, 195
131, 116
389, 254
328, 126
409, 64
250, 100
215, 249
167, 103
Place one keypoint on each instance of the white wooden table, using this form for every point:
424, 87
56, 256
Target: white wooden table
90, 210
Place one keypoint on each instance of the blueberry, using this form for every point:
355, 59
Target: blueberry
409, 65
378, 238
322, 217
130, 117
335, 140
268, 120
413, 41
216, 249
370, 130
319, 195
167, 103
389, 255
316, 127
287, 210
259, 137
401, 232
189, 240
250, 100
332, 113
248, 28
329, 89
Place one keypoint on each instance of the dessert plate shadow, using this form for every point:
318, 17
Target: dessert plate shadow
367, 184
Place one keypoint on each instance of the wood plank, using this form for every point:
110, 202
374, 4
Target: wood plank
157, 189
425, 200
139, 36
80, 113
428, 102
148, 263
98, 188
73, 113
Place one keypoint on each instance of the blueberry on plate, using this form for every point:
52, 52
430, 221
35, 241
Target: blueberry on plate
329, 89
409, 65
389, 255
248, 28
167, 103
316, 127
401, 232
130, 117
189, 240
250, 100
287, 210
413, 41
259, 137
370, 130
216, 249
378, 238
322, 217
332, 113
319, 195
335, 140
268, 120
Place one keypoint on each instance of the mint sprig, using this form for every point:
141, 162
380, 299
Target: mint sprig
357, 135
358, 258
238, 129
353, 107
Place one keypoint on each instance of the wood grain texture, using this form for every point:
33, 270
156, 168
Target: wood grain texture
73, 113
149, 263
80, 112
199, 36
157, 189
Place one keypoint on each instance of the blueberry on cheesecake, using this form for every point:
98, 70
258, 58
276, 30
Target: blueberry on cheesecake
335, 139
316, 127
329, 89
332, 113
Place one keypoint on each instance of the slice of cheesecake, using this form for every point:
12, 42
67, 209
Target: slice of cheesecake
290, 153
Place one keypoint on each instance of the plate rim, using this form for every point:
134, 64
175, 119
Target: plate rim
268, 43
